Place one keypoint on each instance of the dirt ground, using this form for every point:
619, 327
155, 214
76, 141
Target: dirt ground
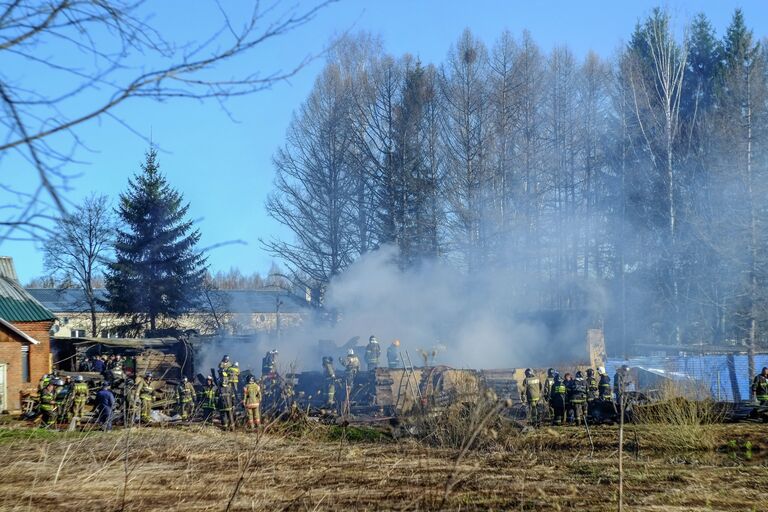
201, 468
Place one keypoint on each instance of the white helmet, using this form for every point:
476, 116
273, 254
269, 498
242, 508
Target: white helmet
601, 370
350, 352
236, 365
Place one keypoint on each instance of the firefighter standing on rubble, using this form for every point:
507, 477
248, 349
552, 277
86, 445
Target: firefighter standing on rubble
351, 364
372, 353
79, 397
252, 402
329, 374
558, 400
185, 398
531, 395
224, 365
146, 394
577, 398
759, 387
233, 373
269, 362
208, 399
393, 355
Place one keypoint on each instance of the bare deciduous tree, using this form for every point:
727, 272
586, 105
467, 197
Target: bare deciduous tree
79, 248
98, 56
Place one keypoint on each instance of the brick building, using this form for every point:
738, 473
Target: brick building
25, 326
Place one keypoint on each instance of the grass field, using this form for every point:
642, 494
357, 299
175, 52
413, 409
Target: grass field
327, 468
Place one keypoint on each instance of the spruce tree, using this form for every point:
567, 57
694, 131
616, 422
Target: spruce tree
158, 272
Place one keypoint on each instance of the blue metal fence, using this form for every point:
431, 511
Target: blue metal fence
725, 375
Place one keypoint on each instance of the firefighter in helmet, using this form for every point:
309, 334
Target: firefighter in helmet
372, 353
393, 355
759, 387
558, 400
530, 395
252, 402
79, 397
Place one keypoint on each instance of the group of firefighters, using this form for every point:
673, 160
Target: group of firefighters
571, 398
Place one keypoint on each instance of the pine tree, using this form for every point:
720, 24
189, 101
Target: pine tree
158, 272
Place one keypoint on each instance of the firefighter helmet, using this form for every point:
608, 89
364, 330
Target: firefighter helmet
528, 372
79, 378
579, 375
351, 352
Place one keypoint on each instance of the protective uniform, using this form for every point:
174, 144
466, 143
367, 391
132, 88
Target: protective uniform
226, 407
372, 353
351, 364
530, 395
233, 373
208, 399
268, 362
224, 366
63, 399
604, 384
146, 395
47, 405
79, 397
393, 355
329, 374
577, 398
760, 387
252, 402
547, 391
185, 399
558, 400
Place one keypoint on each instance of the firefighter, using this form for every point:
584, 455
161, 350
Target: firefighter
393, 355
79, 397
759, 387
185, 398
224, 365
577, 397
252, 402
226, 404
208, 399
47, 405
43, 383
329, 373
558, 400
593, 390
351, 364
372, 353
547, 390
621, 383
604, 384
268, 362
530, 395
63, 397
145, 393
234, 376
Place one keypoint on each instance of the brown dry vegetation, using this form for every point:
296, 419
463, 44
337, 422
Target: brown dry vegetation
193, 468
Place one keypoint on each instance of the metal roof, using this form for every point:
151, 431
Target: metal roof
16, 304
72, 300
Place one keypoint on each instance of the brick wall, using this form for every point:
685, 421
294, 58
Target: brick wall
39, 359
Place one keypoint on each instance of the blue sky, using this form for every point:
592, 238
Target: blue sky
224, 167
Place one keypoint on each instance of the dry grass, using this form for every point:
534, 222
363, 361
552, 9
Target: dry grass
200, 468
681, 422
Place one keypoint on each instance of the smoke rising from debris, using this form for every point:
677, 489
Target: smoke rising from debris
481, 321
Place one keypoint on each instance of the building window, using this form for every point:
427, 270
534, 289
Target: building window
78, 333
25, 377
